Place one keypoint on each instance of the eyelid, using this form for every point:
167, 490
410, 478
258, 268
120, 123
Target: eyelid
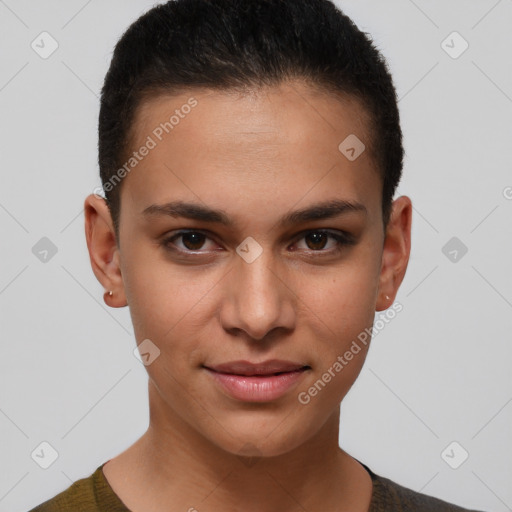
343, 235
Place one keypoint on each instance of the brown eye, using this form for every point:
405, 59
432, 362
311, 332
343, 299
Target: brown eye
190, 241
193, 241
317, 240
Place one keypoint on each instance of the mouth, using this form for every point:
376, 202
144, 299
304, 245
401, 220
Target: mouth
257, 382
260, 374
265, 368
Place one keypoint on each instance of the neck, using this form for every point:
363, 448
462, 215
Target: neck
179, 466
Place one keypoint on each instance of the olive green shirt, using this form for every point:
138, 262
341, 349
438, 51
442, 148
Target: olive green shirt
94, 494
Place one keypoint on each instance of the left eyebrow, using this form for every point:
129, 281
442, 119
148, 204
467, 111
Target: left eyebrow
196, 211
320, 211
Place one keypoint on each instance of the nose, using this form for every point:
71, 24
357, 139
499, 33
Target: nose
258, 299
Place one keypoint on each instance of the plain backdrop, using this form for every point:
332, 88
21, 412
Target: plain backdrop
436, 386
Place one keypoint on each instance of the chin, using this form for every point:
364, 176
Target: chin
264, 437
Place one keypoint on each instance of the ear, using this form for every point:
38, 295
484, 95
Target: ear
396, 252
103, 249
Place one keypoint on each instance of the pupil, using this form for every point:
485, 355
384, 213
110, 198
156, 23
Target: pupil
198, 240
318, 238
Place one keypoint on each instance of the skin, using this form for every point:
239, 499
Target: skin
256, 156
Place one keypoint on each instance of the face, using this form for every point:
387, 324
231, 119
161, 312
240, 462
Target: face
247, 235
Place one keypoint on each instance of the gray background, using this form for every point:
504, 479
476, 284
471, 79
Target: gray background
438, 373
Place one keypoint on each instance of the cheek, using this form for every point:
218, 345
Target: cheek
338, 312
340, 305
344, 298
168, 303
337, 319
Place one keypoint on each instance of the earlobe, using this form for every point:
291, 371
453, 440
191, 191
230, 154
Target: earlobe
103, 249
396, 252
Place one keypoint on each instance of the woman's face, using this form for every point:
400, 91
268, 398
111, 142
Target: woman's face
254, 281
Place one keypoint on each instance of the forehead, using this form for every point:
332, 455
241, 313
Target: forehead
276, 143
288, 108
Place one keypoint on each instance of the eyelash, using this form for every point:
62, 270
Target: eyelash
342, 240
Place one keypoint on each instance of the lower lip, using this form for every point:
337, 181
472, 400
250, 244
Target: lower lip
257, 388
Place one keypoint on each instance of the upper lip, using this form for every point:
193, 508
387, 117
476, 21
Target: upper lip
247, 368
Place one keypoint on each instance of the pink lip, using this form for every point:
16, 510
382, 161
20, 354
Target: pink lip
254, 388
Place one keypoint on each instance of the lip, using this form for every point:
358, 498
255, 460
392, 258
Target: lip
269, 367
257, 382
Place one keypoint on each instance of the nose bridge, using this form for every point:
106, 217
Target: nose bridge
260, 301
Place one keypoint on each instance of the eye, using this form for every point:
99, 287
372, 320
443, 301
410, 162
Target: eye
191, 240
316, 240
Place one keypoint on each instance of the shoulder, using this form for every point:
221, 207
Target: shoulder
390, 496
79, 497
410, 500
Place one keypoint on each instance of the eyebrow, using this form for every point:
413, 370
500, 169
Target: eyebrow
195, 211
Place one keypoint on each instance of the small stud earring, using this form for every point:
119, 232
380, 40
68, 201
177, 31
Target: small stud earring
387, 297
112, 293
